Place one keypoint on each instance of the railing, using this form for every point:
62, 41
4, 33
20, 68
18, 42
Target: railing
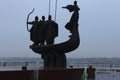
21, 63
110, 65
40, 64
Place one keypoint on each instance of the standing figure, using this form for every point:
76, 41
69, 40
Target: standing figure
51, 30
42, 31
34, 31
75, 16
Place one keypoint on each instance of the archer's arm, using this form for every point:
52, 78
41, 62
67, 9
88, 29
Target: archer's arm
30, 23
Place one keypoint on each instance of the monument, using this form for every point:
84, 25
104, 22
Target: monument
42, 34
54, 54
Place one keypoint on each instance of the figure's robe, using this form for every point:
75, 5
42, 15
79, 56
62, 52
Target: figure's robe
34, 31
51, 31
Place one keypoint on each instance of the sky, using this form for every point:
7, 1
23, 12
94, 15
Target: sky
99, 26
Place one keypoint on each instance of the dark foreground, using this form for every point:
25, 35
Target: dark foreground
47, 74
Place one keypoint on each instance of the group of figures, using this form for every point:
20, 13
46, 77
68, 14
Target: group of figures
43, 32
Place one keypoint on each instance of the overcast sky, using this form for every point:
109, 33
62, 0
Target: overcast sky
99, 26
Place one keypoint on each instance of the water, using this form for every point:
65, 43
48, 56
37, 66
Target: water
104, 66
95, 62
107, 75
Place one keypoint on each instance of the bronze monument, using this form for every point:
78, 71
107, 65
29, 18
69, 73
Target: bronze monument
54, 54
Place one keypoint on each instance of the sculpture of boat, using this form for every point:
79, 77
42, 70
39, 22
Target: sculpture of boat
64, 47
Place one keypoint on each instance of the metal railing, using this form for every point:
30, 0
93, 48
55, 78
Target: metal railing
13, 63
40, 64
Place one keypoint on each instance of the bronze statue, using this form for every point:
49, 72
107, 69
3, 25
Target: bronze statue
55, 53
51, 30
34, 31
75, 15
42, 31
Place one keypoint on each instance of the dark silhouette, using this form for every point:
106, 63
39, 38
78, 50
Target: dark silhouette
54, 60
55, 53
51, 30
75, 15
34, 31
42, 31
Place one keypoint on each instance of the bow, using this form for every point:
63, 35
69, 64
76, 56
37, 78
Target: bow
28, 19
